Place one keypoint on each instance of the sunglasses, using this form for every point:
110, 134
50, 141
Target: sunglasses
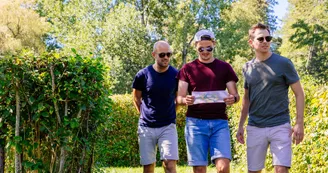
267, 39
162, 55
208, 49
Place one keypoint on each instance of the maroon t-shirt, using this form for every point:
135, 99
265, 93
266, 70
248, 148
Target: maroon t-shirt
207, 77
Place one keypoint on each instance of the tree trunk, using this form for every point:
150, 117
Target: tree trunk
2, 155
90, 161
81, 163
311, 52
62, 160
143, 15
18, 161
53, 88
184, 54
62, 148
53, 159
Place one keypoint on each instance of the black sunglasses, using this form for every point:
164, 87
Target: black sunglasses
162, 55
267, 39
208, 49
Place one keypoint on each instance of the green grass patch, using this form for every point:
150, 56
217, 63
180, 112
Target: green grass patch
180, 169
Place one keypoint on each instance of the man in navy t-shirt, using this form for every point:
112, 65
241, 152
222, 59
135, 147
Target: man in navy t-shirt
154, 92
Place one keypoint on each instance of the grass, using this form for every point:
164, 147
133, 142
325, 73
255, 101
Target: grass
180, 169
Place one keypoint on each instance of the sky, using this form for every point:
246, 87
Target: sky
280, 10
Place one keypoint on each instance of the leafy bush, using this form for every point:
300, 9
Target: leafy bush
120, 135
64, 101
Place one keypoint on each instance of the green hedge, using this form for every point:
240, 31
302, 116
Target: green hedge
310, 155
122, 148
63, 103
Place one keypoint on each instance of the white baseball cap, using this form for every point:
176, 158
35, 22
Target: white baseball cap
204, 35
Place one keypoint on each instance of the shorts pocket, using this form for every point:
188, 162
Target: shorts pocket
254, 136
191, 121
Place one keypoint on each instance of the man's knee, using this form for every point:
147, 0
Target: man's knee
149, 168
199, 169
280, 169
169, 166
222, 165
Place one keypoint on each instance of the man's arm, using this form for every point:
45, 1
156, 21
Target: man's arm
137, 99
182, 97
298, 129
233, 92
176, 101
243, 117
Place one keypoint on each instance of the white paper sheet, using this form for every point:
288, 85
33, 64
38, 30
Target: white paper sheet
210, 96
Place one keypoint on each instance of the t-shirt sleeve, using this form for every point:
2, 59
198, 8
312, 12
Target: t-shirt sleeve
290, 74
182, 74
138, 82
231, 75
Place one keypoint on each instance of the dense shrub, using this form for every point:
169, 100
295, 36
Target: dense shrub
63, 103
121, 148
309, 156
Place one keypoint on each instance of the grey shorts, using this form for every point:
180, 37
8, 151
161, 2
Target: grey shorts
279, 140
166, 138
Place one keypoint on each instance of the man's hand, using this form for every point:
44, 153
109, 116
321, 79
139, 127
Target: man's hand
240, 135
298, 133
229, 100
189, 100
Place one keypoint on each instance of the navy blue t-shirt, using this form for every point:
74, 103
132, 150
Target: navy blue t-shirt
158, 96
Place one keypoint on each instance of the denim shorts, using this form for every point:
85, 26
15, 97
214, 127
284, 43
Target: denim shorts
203, 136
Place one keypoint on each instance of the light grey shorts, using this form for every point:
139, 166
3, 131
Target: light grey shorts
166, 138
279, 140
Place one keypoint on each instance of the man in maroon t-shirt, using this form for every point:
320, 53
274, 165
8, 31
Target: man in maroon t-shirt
207, 126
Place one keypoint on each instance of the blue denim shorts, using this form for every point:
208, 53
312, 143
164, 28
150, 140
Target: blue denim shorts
207, 135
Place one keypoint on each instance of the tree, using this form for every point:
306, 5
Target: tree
114, 32
186, 20
236, 21
20, 26
305, 37
127, 46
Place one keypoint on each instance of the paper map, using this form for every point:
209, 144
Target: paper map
210, 96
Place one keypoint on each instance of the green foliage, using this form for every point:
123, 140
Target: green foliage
311, 153
235, 23
128, 46
21, 27
119, 143
304, 36
112, 31
315, 37
80, 92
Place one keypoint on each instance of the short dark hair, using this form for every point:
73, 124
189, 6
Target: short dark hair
257, 26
